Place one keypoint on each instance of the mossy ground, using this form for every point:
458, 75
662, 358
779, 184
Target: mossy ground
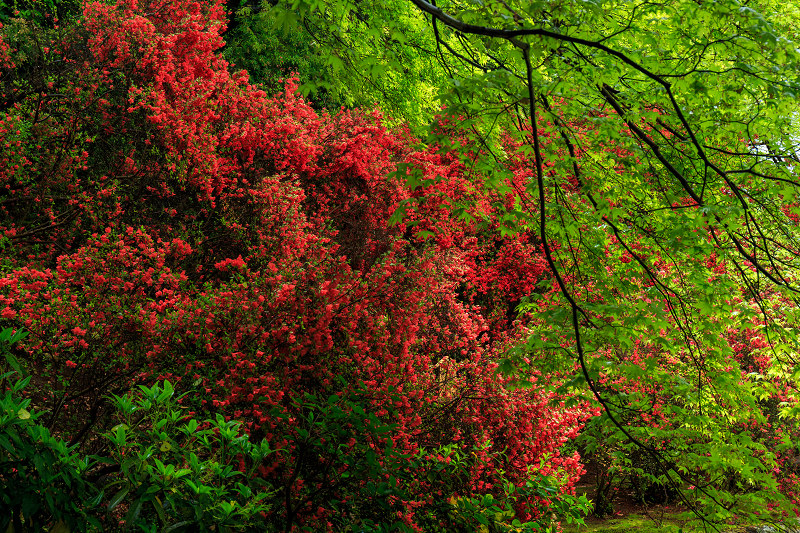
666, 523
630, 516
639, 521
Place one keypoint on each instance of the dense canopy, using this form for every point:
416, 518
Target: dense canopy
421, 266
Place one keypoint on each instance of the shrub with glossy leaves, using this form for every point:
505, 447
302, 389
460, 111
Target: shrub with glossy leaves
42, 483
178, 474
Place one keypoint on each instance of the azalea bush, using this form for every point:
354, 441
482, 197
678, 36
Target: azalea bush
160, 467
164, 219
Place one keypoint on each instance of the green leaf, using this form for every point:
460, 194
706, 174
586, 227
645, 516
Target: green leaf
118, 497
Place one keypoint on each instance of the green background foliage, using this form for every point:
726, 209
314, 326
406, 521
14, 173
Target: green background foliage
344, 53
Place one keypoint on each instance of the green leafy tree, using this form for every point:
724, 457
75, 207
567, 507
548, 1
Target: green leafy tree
344, 53
661, 146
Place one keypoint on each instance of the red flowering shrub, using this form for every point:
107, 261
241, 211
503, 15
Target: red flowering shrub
163, 218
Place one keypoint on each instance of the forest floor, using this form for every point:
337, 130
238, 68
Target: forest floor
631, 516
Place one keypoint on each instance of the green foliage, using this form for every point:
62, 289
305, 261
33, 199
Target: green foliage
176, 474
345, 54
270, 51
366, 491
164, 471
44, 13
488, 513
42, 484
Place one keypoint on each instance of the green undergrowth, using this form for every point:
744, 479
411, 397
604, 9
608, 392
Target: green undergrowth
643, 523
634, 522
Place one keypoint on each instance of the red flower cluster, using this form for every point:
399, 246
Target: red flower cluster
166, 219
